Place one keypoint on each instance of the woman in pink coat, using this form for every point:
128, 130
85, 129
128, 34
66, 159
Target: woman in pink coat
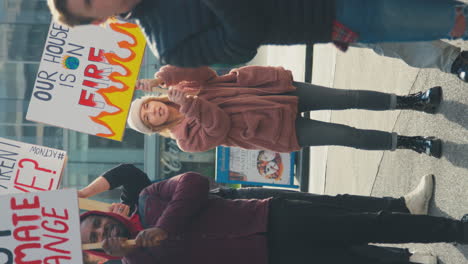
258, 107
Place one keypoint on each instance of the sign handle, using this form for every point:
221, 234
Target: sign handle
97, 245
160, 90
92, 205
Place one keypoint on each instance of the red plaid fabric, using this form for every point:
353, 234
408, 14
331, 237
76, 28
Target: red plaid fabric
342, 36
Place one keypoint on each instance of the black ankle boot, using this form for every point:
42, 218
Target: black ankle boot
460, 66
427, 101
429, 145
464, 221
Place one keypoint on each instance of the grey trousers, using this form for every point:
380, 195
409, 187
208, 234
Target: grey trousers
436, 54
316, 133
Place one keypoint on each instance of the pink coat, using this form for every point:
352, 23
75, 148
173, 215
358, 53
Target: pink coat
244, 108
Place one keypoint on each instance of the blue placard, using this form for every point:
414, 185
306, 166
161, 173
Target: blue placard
255, 167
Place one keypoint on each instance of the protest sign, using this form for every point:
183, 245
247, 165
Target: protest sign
255, 167
28, 168
86, 78
40, 227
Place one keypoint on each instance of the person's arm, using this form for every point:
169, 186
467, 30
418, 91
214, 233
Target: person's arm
187, 194
99, 185
130, 177
243, 20
259, 75
210, 47
210, 123
132, 180
172, 75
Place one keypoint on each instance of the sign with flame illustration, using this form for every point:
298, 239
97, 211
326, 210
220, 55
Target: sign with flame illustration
86, 78
29, 168
41, 227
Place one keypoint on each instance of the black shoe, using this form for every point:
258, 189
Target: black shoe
428, 145
464, 221
427, 101
460, 66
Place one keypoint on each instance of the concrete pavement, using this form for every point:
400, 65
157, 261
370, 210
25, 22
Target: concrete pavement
377, 173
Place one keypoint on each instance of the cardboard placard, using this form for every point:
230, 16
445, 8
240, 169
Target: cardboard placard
93, 205
86, 78
29, 168
255, 167
40, 227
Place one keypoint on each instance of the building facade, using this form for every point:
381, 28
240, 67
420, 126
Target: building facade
23, 30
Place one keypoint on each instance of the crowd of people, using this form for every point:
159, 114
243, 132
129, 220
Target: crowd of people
180, 220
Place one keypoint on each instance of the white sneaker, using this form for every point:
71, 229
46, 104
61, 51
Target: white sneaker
423, 258
417, 201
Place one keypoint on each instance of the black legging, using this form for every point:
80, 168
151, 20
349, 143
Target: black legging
316, 133
351, 203
303, 232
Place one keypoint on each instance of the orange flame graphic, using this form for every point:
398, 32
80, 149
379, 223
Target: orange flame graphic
120, 98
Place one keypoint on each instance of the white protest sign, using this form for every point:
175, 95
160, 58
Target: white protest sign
40, 228
28, 168
86, 78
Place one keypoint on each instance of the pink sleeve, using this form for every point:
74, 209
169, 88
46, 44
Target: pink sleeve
259, 75
187, 194
173, 75
211, 126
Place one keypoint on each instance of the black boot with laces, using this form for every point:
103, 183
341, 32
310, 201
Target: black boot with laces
427, 101
428, 145
460, 66
464, 221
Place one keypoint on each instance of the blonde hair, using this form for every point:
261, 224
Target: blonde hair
61, 14
164, 129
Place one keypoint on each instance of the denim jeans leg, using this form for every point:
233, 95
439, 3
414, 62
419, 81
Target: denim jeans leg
398, 20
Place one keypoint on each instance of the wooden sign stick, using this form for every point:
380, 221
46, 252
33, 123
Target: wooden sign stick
97, 245
159, 90
92, 205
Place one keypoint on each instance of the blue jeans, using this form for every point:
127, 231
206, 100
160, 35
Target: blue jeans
436, 54
398, 20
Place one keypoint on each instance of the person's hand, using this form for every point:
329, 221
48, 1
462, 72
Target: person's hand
179, 96
120, 209
148, 84
116, 246
150, 237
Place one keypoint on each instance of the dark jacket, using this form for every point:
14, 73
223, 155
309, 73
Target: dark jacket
191, 33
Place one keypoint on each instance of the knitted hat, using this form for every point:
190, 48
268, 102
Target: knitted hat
134, 120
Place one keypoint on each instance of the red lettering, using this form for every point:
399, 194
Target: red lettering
100, 56
61, 240
87, 101
92, 71
25, 204
24, 233
64, 228
32, 185
19, 255
54, 214
55, 259
90, 84
27, 218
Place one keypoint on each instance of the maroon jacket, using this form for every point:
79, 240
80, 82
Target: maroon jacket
246, 108
202, 229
